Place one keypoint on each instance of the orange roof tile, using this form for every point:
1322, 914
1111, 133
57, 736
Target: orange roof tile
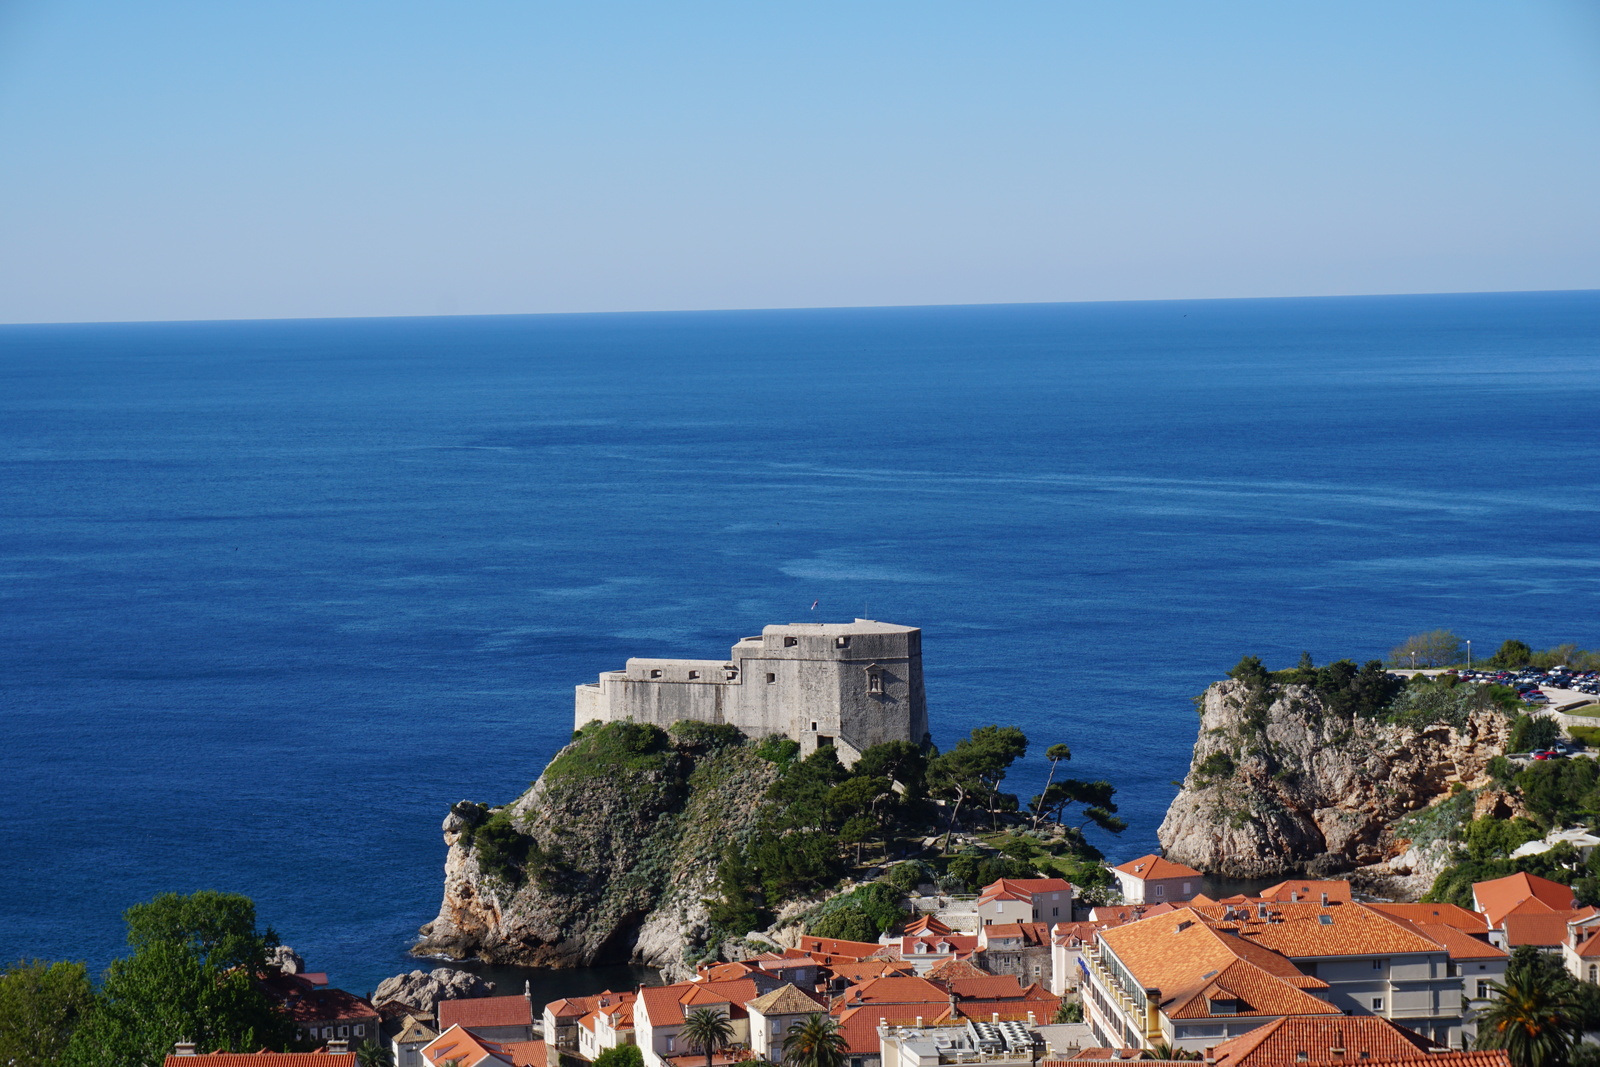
664, 1004
1500, 896
1103, 1054
1436, 915
956, 967
485, 1011
859, 1026
993, 987
1307, 890
926, 924
465, 1048
1547, 929
1153, 866
1360, 1037
1339, 930
860, 972
1460, 944
892, 989
1022, 888
527, 1053
832, 946
1065, 933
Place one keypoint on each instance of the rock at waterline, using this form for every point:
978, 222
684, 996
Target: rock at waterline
420, 989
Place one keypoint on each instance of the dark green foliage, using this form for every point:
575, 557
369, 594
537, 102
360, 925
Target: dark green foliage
621, 1056
860, 915
975, 868
815, 1041
1098, 807
705, 736
776, 748
1491, 838
900, 761
508, 853
1349, 691
374, 1054
1512, 653
611, 749
40, 1005
1216, 765
707, 1031
191, 976
1560, 791
1530, 733
973, 770
907, 875
1071, 1011
1584, 1054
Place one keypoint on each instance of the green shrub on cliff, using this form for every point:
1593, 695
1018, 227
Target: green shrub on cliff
609, 749
859, 915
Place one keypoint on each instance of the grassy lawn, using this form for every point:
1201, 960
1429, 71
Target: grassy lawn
1591, 711
1589, 735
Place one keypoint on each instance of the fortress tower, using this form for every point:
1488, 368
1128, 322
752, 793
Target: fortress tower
850, 685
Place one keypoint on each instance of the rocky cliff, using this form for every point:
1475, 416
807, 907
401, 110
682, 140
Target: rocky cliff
1282, 783
608, 857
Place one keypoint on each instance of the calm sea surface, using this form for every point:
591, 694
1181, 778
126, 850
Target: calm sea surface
273, 595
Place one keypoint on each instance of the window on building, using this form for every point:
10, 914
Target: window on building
694, 674
1161, 890
1594, 973
790, 642
361, 1029
841, 642
1300, 1056
813, 726
344, 1031
671, 1043
771, 678
655, 674
1484, 992
1187, 889
1377, 965
777, 1027
1054, 912
1377, 1003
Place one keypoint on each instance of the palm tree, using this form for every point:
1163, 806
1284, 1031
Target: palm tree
369, 1054
707, 1030
1535, 1018
815, 1041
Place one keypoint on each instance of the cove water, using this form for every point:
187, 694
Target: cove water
275, 594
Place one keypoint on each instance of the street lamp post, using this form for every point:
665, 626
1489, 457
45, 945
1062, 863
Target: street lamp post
1469, 654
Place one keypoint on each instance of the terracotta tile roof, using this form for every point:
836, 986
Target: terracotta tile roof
263, 1059
664, 1004
574, 1007
725, 972
1306, 890
860, 1025
1589, 948
1153, 866
307, 1003
1129, 913
1460, 944
1338, 930
466, 1048
995, 987
1192, 962
414, 1029
926, 924
956, 967
1041, 1008
527, 1053
1500, 896
787, 999
1481, 1058
1023, 889
956, 944
1547, 929
833, 947
1435, 915
1360, 1037
860, 972
1065, 933
893, 989
485, 1011
1003, 930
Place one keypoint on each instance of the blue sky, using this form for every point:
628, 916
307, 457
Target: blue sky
221, 159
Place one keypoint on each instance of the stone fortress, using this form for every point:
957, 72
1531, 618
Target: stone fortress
849, 685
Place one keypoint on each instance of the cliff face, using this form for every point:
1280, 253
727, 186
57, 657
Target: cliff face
625, 846
1287, 786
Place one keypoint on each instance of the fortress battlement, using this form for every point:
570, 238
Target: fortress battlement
849, 685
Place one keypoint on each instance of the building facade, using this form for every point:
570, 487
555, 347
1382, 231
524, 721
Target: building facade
848, 685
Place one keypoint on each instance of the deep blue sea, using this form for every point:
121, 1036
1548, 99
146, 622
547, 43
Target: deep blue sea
275, 594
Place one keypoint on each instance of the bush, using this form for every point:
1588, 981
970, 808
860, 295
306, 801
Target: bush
909, 874
776, 748
1216, 765
1530, 733
706, 736
860, 915
1436, 648
621, 1056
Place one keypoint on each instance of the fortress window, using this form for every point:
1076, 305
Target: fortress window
813, 726
694, 674
841, 642
790, 642
655, 674
771, 678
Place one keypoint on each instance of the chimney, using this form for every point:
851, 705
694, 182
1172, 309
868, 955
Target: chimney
1211, 1054
919, 1022
1294, 896
183, 1048
1261, 910
1324, 900
338, 1047
1032, 1022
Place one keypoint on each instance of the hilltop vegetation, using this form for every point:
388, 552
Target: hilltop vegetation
660, 845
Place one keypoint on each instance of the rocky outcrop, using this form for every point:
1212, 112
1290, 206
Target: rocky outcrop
286, 960
422, 989
622, 845
1279, 784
